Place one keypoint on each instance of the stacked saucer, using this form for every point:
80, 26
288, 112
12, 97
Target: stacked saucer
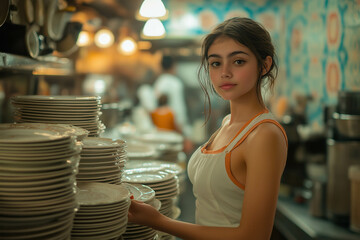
37, 175
80, 111
102, 160
102, 213
168, 144
137, 150
165, 185
144, 194
157, 165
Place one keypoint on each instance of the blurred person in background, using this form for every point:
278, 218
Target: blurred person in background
163, 117
172, 86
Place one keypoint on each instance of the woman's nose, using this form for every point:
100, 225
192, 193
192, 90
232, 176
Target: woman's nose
225, 73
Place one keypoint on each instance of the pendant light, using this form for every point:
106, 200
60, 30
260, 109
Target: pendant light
152, 9
153, 28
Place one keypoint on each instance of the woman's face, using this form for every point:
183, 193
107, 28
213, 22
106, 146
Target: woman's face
233, 69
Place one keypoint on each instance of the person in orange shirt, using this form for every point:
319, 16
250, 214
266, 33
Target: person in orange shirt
163, 116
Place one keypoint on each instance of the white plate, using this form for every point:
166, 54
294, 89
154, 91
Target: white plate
34, 218
57, 114
55, 98
146, 177
155, 165
36, 189
69, 204
58, 232
140, 192
96, 235
63, 129
96, 211
38, 146
140, 150
101, 193
58, 108
167, 137
37, 177
102, 143
29, 135
46, 117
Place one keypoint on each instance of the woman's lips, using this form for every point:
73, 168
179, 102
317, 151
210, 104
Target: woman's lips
227, 86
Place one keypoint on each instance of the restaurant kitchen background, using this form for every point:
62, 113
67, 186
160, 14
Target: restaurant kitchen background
318, 49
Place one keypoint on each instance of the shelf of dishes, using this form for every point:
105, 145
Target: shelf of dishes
47, 65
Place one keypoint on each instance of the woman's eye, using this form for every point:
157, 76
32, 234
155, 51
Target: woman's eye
239, 62
214, 64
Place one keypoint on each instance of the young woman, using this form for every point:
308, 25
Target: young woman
236, 174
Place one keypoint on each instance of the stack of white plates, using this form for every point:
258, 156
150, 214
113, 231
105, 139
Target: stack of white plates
144, 194
168, 144
102, 160
165, 185
157, 165
80, 111
103, 212
37, 175
137, 150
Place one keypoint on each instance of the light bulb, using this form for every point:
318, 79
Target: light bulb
83, 39
104, 38
127, 46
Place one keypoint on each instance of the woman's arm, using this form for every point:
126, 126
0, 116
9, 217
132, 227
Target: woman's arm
265, 158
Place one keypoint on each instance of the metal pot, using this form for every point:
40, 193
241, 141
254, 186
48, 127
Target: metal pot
349, 102
4, 10
347, 125
341, 155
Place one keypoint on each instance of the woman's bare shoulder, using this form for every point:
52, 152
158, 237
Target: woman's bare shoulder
267, 141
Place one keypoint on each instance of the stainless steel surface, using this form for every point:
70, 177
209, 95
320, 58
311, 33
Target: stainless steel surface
295, 223
347, 125
341, 155
318, 199
349, 102
44, 65
354, 175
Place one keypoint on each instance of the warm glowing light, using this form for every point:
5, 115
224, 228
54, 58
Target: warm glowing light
153, 28
83, 39
127, 46
152, 9
144, 45
104, 38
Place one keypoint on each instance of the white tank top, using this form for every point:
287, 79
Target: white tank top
219, 196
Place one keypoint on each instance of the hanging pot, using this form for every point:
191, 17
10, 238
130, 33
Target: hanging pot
4, 10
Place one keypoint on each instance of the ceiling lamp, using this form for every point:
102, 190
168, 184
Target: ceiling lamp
104, 38
152, 9
127, 46
153, 28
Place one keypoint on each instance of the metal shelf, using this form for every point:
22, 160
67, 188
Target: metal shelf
47, 66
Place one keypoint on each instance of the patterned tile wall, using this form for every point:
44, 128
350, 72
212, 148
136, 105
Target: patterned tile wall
317, 42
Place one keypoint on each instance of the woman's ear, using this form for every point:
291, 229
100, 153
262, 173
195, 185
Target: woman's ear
267, 65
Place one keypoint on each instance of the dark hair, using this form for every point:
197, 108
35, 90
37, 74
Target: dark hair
167, 62
249, 33
163, 100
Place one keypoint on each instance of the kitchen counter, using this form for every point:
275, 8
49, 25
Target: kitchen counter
294, 222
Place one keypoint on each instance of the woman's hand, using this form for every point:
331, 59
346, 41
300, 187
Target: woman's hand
142, 213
